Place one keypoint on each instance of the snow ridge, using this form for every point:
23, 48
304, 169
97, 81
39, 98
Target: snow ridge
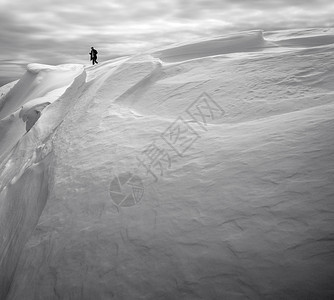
245, 212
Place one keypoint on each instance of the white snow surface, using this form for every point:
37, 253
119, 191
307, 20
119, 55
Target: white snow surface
235, 135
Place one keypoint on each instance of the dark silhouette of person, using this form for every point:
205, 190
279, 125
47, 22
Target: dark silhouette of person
93, 55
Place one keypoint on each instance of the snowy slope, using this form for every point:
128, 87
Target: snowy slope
201, 171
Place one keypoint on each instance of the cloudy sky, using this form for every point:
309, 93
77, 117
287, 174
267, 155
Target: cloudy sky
62, 31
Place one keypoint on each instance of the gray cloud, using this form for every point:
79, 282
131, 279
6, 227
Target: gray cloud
62, 31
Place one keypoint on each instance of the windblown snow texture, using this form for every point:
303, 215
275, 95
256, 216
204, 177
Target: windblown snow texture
238, 203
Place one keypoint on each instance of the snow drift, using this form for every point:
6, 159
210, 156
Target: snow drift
39, 86
241, 42
201, 171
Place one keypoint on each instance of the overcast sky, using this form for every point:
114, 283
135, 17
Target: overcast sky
62, 31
